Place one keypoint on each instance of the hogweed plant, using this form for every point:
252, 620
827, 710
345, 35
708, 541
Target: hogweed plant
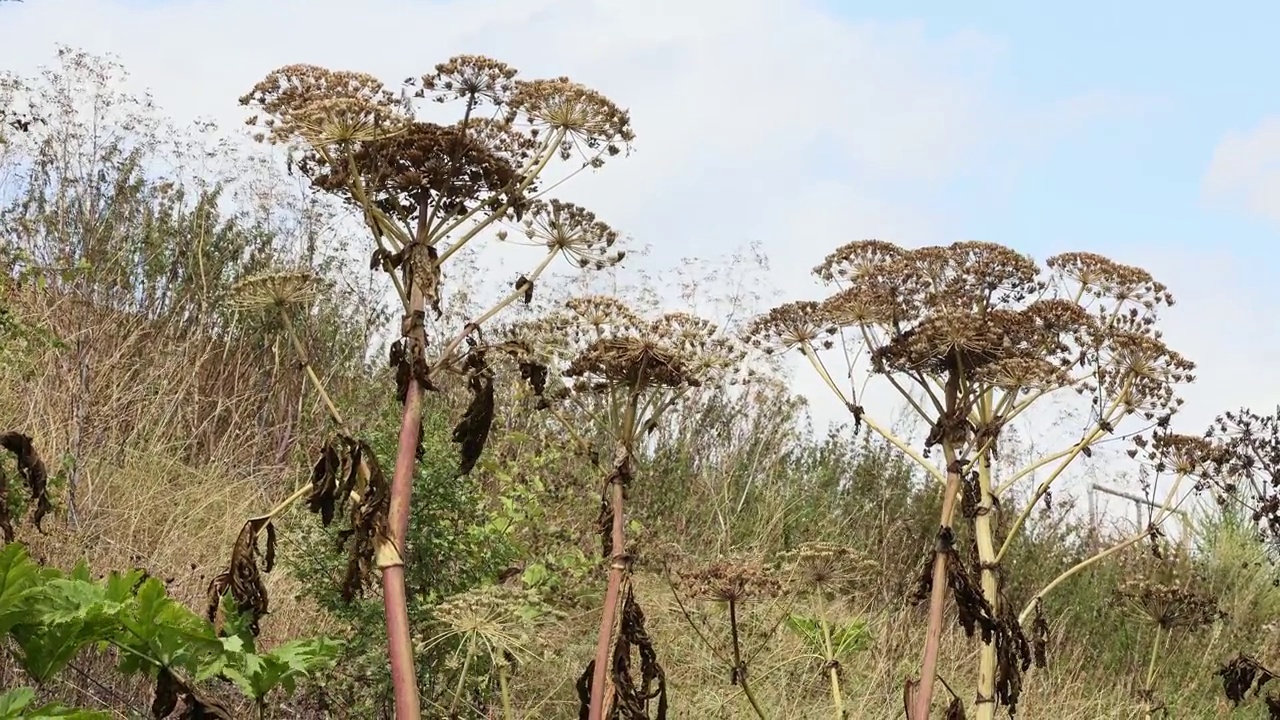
732, 583
1166, 597
619, 372
486, 633
426, 191
972, 336
825, 573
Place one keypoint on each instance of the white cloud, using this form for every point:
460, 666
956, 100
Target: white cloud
1245, 171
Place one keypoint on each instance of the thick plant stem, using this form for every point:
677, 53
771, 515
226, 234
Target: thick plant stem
391, 559
923, 699
984, 533
833, 670
604, 639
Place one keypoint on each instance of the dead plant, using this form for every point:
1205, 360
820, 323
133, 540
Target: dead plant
971, 336
427, 190
730, 582
621, 371
31, 469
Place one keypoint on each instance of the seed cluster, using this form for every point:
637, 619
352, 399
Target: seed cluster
993, 317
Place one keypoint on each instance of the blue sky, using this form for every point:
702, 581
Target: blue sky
1180, 75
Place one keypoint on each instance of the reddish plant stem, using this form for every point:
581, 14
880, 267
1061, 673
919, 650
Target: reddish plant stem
399, 644
616, 570
395, 603
937, 598
923, 699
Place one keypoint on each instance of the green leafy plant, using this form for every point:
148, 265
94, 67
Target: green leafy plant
17, 704
52, 617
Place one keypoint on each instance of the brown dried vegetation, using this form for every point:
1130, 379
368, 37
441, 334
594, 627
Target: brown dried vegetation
32, 470
971, 335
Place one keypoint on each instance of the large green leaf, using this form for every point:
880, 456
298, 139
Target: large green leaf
15, 705
19, 576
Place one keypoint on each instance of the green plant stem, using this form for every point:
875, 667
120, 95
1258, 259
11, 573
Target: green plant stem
832, 669
876, 427
505, 691
740, 668
751, 699
1161, 514
311, 373
462, 676
498, 307
1149, 686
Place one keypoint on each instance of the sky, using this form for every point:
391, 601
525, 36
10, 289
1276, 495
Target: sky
1146, 131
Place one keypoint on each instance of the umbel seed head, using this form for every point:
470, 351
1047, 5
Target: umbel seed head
278, 290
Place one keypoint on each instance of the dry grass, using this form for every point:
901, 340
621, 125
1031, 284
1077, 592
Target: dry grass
179, 438
168, 445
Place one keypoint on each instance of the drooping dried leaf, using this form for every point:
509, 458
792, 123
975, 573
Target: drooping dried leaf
408, 359
243, 578
340, 471
368, 523
631, 699
32, 470
472, 431
583, 687
1241, 674
1040, 637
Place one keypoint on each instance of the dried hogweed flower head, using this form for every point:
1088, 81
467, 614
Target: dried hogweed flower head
471, 78
1170, 599
575, 232
1105, 279
454, 168
1187, 455
794, 325
727, 580
319, 104
499, 617
826, 569
612, 346
579, 115
275, 290
858, 261
632, 362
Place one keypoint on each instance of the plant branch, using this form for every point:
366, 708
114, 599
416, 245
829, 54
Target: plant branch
879, 429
